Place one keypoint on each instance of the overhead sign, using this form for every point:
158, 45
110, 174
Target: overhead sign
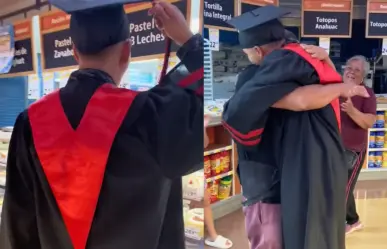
23, 60
330, 18
7, 44
56, 42
216, 13
148, 42
376, 26
250, 5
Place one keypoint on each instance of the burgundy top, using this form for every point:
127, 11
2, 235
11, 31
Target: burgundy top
355, 137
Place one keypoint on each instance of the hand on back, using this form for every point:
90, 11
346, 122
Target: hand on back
316, 51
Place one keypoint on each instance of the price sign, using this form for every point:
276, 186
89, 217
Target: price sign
329, 18
214, 39
250, 5
216, 13
376, 25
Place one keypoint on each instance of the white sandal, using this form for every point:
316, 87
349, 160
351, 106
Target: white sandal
220, 242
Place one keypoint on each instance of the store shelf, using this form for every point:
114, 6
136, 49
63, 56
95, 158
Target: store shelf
377, 149
374, 170
377, 129
216, 148
214, 178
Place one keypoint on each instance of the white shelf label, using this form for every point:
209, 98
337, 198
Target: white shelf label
214, 39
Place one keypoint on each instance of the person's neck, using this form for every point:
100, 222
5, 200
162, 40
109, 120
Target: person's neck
104, 69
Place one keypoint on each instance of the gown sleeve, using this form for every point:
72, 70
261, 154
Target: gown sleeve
18, 223
245, 114
172, 118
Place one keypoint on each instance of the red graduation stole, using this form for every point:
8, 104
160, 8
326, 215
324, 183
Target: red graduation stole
326, 74
74, 161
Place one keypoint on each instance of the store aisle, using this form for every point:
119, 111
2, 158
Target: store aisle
371, 202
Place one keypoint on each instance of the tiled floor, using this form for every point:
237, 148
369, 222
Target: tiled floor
372, 207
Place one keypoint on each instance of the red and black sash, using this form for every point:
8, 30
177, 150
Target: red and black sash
74, 161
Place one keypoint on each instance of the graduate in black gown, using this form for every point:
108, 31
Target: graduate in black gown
285, 120
98, 167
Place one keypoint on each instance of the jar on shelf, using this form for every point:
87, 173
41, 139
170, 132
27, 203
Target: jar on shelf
378, 159
379, 139
225, 188
380, 119
371, 159
372, 142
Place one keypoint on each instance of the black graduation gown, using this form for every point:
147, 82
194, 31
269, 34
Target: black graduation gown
124, 195
305, 147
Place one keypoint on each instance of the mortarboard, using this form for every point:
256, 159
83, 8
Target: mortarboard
96, 24
260, 26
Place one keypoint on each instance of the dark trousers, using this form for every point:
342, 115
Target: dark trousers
353, 174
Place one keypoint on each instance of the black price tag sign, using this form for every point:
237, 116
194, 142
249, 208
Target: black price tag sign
216, 13
326, 18
147, 41
376, 26
58, 50
23, 60
250, 5
57, 46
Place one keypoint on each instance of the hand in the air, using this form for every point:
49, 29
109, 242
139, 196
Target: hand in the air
316, 51
347, 106
206, 122
171, 21
351, 89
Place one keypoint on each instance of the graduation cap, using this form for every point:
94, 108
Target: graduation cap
96, 24
260, 26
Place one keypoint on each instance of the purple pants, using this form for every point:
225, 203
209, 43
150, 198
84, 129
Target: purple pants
263, 225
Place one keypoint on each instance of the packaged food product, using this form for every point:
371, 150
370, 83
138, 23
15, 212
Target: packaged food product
215, 164
225, 188
379, 139
221, 159
371, 159
372, 142
380, 119
194, 224
384, 164
214, 188
226, 161
378, 159
207, 167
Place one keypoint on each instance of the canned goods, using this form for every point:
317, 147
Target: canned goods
378, 159
372, 142
379, 139
371, 159
380, 119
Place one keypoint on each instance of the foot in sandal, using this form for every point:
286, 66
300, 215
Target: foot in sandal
219, 242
